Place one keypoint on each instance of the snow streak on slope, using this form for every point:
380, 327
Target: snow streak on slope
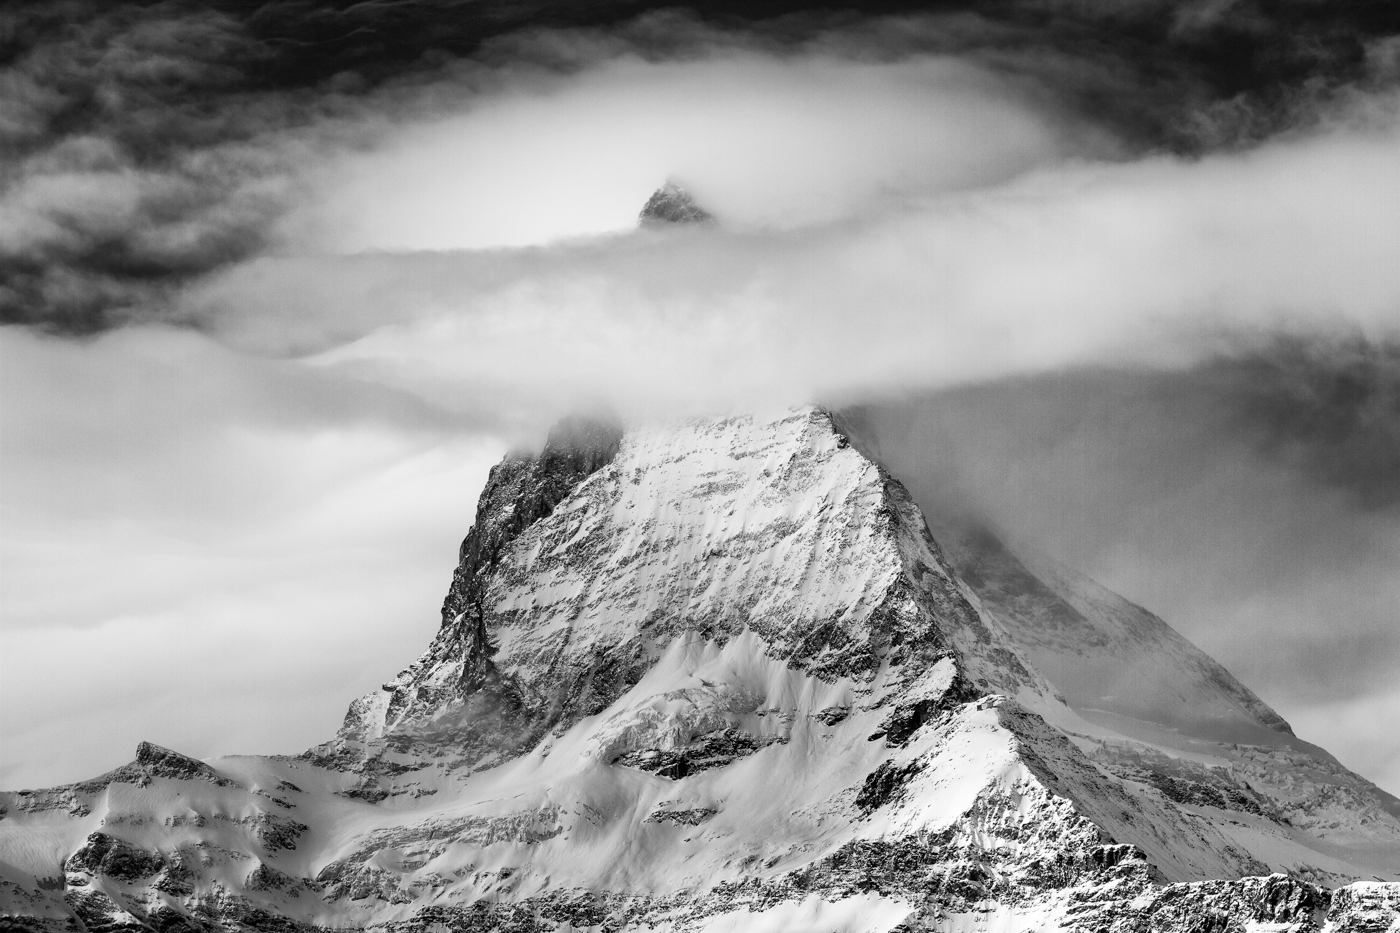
715, 675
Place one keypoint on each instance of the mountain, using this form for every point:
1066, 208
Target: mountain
720, 675
672, 204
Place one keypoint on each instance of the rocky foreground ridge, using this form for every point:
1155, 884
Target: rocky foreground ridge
720, 676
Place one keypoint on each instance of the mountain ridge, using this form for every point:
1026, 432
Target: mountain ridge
711, 675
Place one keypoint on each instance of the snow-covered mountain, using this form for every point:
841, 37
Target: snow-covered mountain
720, 676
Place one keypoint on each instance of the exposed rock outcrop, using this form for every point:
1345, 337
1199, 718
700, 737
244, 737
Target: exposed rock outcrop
672, 204
454, 694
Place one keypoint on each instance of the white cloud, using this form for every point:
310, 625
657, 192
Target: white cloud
765, 141
1144, 261
208, 551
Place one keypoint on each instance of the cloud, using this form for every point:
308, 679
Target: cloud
1330, 408
147, 145
1156, 261
766, 142
209, 550
1247, 499
114, 184
1348, 729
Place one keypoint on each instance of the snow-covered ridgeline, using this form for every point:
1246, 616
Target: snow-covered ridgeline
715, 675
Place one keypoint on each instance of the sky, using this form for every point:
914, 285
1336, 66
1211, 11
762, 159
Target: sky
279, 283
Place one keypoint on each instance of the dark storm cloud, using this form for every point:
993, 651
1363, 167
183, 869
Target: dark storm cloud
145, 145
121, 174
1330, 408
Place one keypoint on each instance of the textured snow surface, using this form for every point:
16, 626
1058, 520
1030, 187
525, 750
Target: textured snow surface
723, 679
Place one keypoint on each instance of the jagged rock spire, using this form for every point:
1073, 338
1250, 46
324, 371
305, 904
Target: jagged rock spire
522, 490
672, 204
455, 688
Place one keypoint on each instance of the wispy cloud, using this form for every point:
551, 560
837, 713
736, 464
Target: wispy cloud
1153, 261
147, 145
208, 550
1250, 499
766, 141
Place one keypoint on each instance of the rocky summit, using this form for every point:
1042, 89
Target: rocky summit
720, 676
671, 204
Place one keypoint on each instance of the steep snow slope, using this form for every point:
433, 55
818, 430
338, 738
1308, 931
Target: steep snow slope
715, 675
1161, 711
1158, 710
1107, 656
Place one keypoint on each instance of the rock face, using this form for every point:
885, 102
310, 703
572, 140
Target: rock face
720, 676
671, 204
455, 694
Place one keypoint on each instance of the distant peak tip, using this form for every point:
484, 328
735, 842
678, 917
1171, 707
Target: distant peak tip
672, 204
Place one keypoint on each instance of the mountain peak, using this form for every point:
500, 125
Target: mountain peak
672, 204
712, 527
719, 674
